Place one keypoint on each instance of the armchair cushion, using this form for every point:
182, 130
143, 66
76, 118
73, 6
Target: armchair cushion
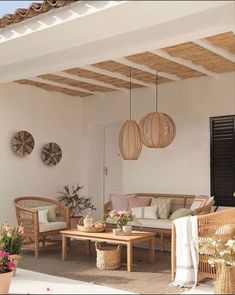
51, 214
42, 216
51, 226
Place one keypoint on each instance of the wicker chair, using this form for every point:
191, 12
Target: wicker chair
219, 225
28, 218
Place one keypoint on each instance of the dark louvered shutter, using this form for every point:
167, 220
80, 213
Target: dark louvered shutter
223, 160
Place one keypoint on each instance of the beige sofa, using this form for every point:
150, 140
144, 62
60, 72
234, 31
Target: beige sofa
162, 227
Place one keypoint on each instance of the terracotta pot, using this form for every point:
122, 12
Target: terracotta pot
15, 258
225, 281
5, 282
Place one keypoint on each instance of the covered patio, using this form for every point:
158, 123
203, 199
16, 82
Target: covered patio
71, 74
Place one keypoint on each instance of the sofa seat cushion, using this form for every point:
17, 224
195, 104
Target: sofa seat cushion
153, 223
146, 222
58, 225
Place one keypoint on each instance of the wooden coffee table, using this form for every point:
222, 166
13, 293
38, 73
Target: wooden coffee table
134, 238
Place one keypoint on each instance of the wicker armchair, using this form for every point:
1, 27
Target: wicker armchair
219, 225
27, 216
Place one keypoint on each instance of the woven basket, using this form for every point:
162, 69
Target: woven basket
225, 282
108, 257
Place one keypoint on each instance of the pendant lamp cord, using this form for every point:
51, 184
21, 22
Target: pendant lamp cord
130, 93
156, 84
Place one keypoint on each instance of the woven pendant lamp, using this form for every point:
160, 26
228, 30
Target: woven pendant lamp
157, 129
130, 143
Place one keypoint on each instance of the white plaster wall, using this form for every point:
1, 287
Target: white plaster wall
184, 166
48, 117
76, 124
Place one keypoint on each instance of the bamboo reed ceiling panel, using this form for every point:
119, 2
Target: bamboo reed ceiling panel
164, 65
53, 88
102, 78
75, 83
114, 66
201, 56
225, 41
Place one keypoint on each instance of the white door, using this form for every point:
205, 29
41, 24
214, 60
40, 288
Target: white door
112, 162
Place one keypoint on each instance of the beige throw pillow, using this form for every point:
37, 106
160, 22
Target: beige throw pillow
163, 207
149, 212
51, 211
181, 213
42, 216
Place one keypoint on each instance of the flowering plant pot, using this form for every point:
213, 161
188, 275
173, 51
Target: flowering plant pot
15, 259
6, 272
11, 239
5, 282
121, 218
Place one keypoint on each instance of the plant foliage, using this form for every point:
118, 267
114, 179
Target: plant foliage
71, 198
11, 237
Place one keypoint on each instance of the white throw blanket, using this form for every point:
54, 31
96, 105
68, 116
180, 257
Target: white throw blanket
187, 258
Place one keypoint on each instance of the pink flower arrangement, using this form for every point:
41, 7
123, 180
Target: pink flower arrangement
11, 237
6, 264
121, 217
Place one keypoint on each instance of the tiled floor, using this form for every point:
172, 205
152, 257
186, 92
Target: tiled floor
29, 282
205, 288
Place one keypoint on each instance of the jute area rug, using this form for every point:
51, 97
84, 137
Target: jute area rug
145, 279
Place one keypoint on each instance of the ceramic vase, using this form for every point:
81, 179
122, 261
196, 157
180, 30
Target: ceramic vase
5, 282
127, 229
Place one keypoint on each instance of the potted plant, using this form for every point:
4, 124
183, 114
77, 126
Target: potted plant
11, 238
222, 256
6, 272
77, 204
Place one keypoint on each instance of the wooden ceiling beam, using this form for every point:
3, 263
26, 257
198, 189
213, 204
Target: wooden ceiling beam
115, 75
184, 62
88, 80
49, 82
146, 69
219, 51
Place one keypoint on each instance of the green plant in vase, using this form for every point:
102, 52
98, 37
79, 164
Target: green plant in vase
77, 204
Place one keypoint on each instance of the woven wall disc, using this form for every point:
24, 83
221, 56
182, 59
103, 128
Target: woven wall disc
23, 143
51, 154
157, 130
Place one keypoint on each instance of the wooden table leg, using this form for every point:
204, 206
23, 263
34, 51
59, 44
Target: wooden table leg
129, 256
64, 247
88, 247
151, 250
